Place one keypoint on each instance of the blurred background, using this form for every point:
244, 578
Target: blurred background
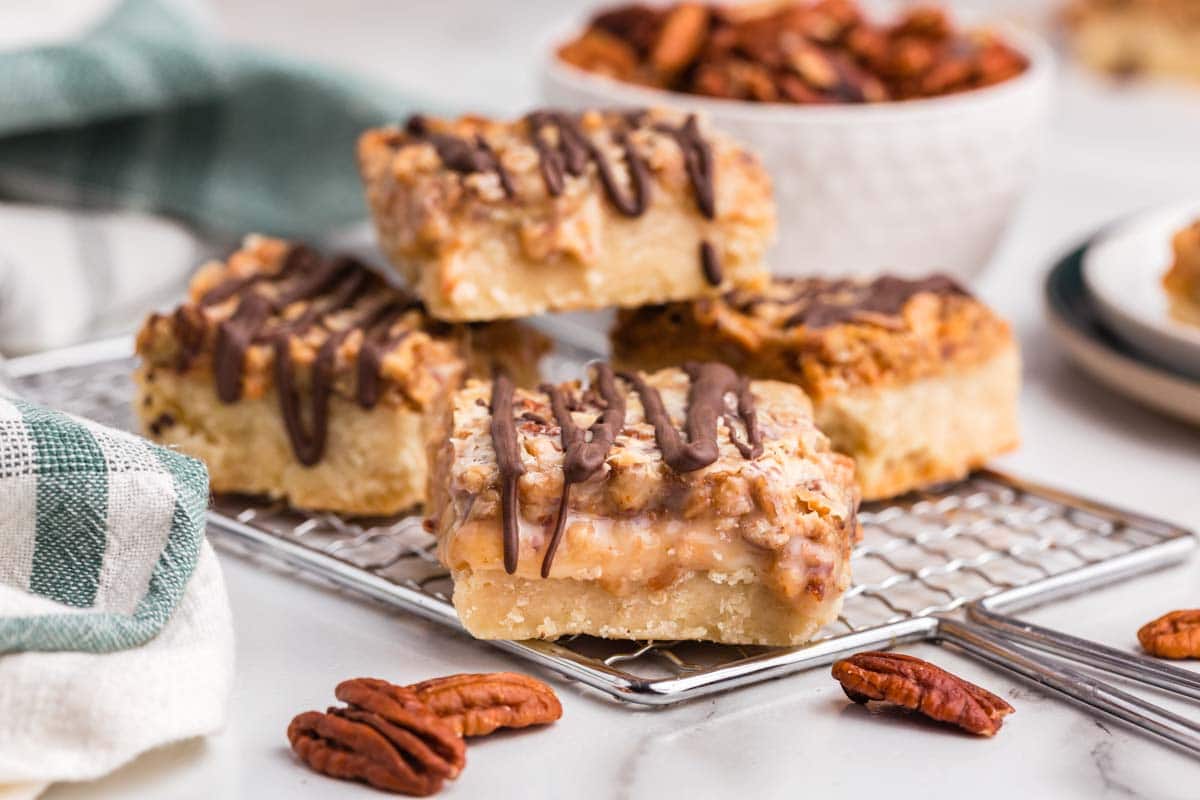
471, 53
233, 115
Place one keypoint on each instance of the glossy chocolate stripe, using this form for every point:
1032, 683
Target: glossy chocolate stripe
698, 160
330, 287
461, 155
508, 462
376, 345
585, 452
295, 260
885, 295
308, 445
583, 457
711, 264
706, 402
575, 149
571, 152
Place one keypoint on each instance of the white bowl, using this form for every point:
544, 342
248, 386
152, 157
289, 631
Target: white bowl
908, 187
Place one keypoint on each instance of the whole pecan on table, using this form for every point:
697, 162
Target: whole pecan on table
476, 705
1173, 635
385, 736
408, 739
918, 685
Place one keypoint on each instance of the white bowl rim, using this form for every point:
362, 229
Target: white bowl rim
1037, 75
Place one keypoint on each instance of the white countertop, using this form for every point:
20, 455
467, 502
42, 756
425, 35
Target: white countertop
1111, 152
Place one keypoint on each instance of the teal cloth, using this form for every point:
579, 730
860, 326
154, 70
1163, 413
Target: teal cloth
151, 110
100, 532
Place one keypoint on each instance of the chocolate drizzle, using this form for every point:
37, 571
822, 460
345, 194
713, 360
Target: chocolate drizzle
461, 155
377, 342
329, 287
583, 457
706, 401
697, 158
711, 264
569, 152
585, 452
830, 303
575, 149
508, 462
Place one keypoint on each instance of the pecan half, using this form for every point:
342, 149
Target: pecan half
1173, 635
601, 52
385, 736
476, 705
682, 35
921, 686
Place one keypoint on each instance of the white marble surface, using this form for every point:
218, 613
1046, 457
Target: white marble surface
1111, 152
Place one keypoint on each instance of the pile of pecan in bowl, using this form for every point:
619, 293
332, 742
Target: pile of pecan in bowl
813, 51
409, 739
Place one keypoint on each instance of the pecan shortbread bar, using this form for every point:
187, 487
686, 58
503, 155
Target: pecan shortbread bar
585, 510
309, 379
1134, 37
559, 211
915, 379
1182, 280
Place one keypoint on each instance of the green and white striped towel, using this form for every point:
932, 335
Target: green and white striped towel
100, 532
115, 631
149, 109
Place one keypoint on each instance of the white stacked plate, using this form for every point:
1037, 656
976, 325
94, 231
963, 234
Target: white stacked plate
1106, 303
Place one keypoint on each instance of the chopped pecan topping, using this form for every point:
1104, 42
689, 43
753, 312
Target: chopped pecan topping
921, 686
1173, 635
386, 736
476, 705
810, 51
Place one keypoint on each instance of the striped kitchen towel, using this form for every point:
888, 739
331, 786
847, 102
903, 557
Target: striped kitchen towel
100, 532
140, 104
115, 631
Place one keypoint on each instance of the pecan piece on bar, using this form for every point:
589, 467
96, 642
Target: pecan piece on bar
1173, 635
342, 747
476, 705
921, 686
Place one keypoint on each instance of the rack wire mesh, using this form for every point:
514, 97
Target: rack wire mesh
921, 558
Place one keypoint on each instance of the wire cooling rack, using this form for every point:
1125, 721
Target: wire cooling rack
921, 559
